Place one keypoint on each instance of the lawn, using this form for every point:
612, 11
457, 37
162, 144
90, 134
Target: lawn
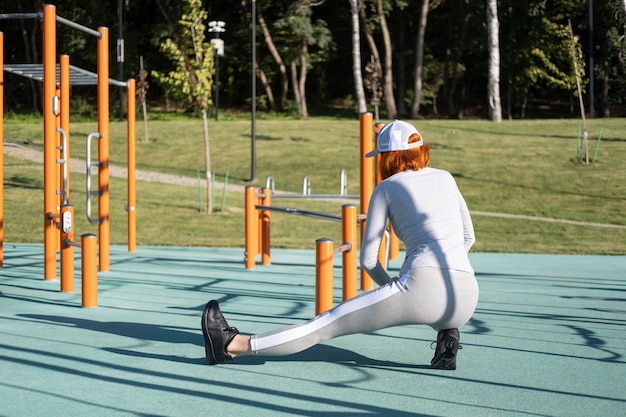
520, 168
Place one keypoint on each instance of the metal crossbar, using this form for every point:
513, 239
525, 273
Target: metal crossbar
290, 210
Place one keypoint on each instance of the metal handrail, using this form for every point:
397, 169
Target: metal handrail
89, 164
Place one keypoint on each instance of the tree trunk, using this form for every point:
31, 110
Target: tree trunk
604, 96
400, 74
419, 60
390, 101
294, 82
356, 58
493, 88
266, 85
207, 163
304, 53
284, 79
369, 37
453, 57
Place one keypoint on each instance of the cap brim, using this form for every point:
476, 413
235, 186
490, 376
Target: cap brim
372, 153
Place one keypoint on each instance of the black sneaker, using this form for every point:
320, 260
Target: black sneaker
447, 347
217, 334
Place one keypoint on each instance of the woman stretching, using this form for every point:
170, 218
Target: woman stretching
436, 285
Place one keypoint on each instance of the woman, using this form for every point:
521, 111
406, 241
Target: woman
436, 285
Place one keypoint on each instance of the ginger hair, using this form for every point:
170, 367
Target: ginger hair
414, 159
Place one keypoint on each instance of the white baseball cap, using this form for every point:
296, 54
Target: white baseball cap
395, 137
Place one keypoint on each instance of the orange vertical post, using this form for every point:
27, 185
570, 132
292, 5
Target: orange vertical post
1, 149
103, 148
323, 275
66, 220
259, 227
64, 61
382, 251
251, 226
349, 235
59, 166
49, 138
394, 244
367, 179
67, 249
132, 162
265, 227
89, 270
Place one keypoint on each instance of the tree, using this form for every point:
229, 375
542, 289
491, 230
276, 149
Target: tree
392, 111
493, 86
192, 80
419, 59
356, 57
279, 61
306, 32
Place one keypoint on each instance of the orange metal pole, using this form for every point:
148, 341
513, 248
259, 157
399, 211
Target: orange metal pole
59, 166
49, 139
367, 180
349, 231
89, 270
103, 147
64, 95
251, 226
394, 244
132, 162
323, 275
1, 149
67, 250
382, 251
259, 244
265, 227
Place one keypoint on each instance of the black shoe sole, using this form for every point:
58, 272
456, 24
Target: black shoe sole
446, 364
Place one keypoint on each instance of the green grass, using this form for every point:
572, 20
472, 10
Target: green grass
515, 167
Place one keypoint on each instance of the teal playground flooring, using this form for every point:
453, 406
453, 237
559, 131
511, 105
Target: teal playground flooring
548, 339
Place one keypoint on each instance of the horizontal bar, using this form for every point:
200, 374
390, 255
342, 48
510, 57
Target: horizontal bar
315, 196
289, 210
21, 15
69, 242
78, 26
346, 247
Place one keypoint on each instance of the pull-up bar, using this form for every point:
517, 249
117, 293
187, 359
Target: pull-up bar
40, 15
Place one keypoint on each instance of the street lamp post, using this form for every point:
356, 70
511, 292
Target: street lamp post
218, 27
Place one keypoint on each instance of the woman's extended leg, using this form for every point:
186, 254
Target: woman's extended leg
425, 296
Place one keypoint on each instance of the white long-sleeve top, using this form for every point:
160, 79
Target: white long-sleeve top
428, 213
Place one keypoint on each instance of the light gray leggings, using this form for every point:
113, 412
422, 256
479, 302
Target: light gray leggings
440, 298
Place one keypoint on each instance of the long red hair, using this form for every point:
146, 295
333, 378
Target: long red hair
413, 159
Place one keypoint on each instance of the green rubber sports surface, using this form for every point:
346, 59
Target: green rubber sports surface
548, 339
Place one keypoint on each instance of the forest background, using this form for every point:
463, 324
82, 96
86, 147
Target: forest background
304, 51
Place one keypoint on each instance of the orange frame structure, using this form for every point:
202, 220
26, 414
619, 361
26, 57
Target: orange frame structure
257, 227
58, 214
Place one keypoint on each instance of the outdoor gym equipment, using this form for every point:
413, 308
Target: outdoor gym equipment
58, 214
258, 210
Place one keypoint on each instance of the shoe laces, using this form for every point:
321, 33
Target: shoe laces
448, 344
